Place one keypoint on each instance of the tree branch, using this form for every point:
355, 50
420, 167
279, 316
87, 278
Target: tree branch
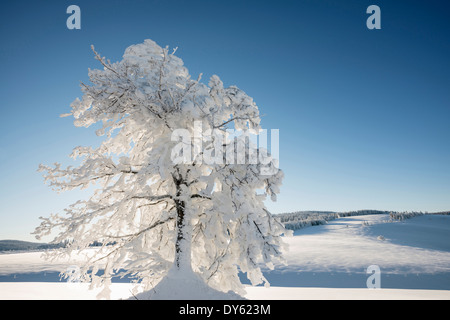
200, 196
141, 231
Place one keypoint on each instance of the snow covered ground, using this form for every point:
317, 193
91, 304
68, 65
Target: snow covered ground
412, 254
64, 291
324, 262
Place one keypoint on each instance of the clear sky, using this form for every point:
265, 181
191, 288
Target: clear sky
363, 114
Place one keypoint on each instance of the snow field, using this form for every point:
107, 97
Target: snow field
63, 291
323, 262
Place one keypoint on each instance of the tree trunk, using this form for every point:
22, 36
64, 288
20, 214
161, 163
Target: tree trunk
184, 234
183, 242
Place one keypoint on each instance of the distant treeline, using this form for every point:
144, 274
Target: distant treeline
301, 219
407, 215
18, 245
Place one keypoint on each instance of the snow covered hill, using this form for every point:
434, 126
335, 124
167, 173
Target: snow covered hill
323, 262
411, 254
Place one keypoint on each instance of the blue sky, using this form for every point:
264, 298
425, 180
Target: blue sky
363, 114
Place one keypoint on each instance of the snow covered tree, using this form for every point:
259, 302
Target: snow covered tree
153, 214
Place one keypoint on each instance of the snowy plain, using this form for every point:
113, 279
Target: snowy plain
323, 262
